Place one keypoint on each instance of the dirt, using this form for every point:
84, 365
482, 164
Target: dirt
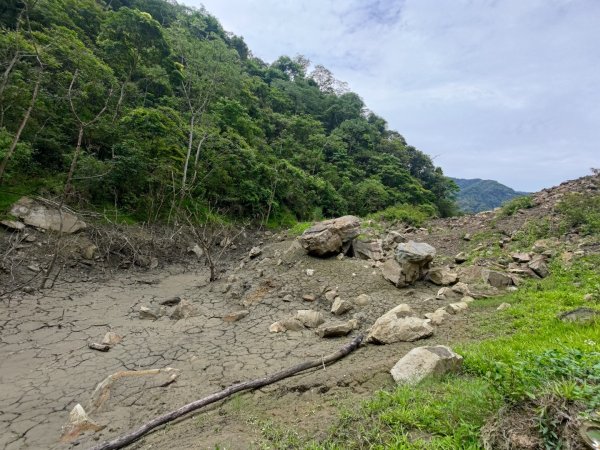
46, 366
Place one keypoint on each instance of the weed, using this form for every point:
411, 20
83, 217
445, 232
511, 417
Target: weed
516, 204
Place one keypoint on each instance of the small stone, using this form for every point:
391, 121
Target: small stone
503, 306
340, 257
288, 298
461, 258
29, 290
331, 295
309, 297
467, 237
363, 300
310, 272
437, 317
13, 225
442, 276
521, 257
89, 252
148, 313
455, 308
79, 422
336, 329
111, 338
467, 299
99, 347
255, 252
586, 297
310, 318
196, 250
539, 266
172, 301
340, 307
34, 268
236, 315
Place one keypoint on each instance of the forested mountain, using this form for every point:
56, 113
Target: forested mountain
482, 195
149, 104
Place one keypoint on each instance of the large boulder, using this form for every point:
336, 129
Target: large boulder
37, 215
330, 236
398, 326
422, 362
496, 279
411, 263
539, 266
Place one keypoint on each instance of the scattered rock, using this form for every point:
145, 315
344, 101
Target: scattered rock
37, 215
310, 272
13, 225
331, 295
310, 318
329, 236
496, 279
437, 317
521, 257
290, 324
288, 298
442, 276
309, 297
150, 314
254, 252
371, 249
340, 306
414, 259
336, 329
455, 308
461, 288
422, 362
397, 326
183, 310
99, 347
467, 299
79, 423
111, 339
392, 238
34, 268
363, 300
172, 301
586, 297
539, 266
467, 237
461, 258
503, 306
195, 249
29, 290
580, 315
236, 315
471, 274
392, 272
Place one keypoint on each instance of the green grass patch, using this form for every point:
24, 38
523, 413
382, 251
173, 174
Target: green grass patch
512, 206
405, 213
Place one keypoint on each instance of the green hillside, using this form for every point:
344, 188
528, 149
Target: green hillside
477, 195
154, 106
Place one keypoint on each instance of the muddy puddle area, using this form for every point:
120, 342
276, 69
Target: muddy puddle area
47, 367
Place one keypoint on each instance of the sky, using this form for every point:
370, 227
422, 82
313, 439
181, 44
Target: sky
507, 90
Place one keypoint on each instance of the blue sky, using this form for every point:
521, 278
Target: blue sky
496, 89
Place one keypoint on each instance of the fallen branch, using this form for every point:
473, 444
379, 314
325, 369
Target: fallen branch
134, 435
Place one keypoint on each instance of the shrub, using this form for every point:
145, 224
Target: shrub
579, 210
512, 206
409, 214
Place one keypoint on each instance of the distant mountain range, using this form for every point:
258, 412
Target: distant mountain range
482, 195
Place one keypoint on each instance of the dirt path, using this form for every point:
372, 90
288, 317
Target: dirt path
46, 366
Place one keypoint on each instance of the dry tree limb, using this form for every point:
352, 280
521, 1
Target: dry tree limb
134, 435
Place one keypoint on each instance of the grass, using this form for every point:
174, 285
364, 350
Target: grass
512, 206
405, 213
531, 356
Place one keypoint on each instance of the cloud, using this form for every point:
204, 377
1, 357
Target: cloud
498, 89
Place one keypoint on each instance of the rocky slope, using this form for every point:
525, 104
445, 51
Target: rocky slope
274, 305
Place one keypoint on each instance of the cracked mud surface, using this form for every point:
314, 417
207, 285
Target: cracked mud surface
46, 366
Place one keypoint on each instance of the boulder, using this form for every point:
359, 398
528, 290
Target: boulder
539, 266
392, 272
471, 274
397, 326
442, 276
496, 279
340, 306
336, 329
38, 215
414, 259
422, 362
368, 249
330, 236
310, 318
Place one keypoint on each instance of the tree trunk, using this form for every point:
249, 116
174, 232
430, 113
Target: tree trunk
187, 156
24, 121
134, 435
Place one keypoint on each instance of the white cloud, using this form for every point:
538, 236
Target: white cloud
502, 89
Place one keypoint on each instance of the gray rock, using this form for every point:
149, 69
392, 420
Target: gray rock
393, 238
392, 272
336, 329
370, 249
331, 295
111, 338
395, 326
340, 306
496, 279
150, 313
254, 252
363, 300
236, 315
503, 306
442, 276
455, 308
521, 257
196, 250
329, 236
460, 258
183, 310
580, 315
38, 215
414, 252
437, 317
422, 362
310, 318
539, 266
309, 297
89, 252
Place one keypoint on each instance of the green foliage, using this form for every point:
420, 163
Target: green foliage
583, 211
516, 204
193, 113
408, 214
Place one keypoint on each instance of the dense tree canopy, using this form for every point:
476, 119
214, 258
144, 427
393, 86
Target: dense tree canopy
192, 116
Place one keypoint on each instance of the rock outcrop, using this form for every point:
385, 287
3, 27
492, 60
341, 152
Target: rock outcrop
37, 215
